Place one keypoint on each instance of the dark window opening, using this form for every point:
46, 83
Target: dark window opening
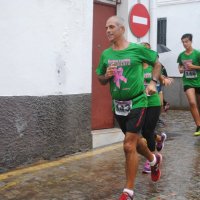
161, 31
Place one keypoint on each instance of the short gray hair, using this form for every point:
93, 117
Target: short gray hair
119, 20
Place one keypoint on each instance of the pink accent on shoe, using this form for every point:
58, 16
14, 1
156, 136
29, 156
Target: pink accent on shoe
147, 168
160, 144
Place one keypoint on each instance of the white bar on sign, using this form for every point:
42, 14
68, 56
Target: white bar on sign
140, 20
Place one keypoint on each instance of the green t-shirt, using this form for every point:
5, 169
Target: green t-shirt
190, 77
128, 82
153, 100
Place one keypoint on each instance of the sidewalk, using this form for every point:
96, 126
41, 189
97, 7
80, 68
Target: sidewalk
99, 174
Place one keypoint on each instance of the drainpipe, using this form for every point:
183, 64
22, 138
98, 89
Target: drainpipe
138, 39
153, 24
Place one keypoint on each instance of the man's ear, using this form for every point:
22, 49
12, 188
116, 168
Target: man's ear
123, 29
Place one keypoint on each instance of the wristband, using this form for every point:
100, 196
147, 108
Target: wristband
154, 80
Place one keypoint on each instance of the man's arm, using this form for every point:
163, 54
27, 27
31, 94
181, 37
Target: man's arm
191, 66
151, 88
104, 79
166, 81
156, 71
180, 68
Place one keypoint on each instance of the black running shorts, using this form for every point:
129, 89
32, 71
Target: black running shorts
197, 89
133, 122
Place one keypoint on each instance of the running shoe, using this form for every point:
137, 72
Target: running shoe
197, 133
161, 122
125, 196
155, 170
166, 107
147, 168
161, 143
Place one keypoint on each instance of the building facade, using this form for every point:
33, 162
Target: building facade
45, 93
50, 98
179, 17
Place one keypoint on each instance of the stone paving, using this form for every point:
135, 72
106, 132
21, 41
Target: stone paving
99, 174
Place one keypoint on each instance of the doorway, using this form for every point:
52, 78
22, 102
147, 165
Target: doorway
102, 115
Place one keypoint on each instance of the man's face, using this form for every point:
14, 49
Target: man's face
113, 30
186, 43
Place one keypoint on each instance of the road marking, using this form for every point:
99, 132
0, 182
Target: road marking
55, 163
9, 185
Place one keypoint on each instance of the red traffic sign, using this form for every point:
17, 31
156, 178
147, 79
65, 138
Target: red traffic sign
139, 20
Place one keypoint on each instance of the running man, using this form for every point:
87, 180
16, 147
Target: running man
121, 67
189, 65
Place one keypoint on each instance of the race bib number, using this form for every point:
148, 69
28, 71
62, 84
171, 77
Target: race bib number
122, 108
191, 74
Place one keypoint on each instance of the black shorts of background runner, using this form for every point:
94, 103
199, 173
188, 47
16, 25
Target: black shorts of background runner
197, 89
133, 122
148, 129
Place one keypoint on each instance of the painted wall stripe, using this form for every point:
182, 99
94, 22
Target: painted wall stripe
58, 162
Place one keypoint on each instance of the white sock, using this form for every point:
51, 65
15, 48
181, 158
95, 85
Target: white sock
153, 162
128, 191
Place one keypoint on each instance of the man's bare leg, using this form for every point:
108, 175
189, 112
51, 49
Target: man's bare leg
190, 93
144, 150
130, 150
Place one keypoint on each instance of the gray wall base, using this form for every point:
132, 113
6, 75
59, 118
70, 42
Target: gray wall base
35, 128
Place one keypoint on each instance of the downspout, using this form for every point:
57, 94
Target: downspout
153, 24
138, 39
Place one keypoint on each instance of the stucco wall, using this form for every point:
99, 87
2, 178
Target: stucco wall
45, 47
45, 79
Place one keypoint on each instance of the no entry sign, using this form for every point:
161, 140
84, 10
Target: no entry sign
139, 20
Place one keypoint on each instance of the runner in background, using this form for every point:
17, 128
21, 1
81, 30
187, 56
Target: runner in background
165, 80
154, 141
189, 66
165, 104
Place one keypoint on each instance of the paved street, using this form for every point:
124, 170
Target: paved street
99, 174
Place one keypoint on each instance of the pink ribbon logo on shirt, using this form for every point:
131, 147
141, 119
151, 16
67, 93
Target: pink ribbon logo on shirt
118, 76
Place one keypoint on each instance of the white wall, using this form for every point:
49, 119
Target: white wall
45, 47
182, 17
